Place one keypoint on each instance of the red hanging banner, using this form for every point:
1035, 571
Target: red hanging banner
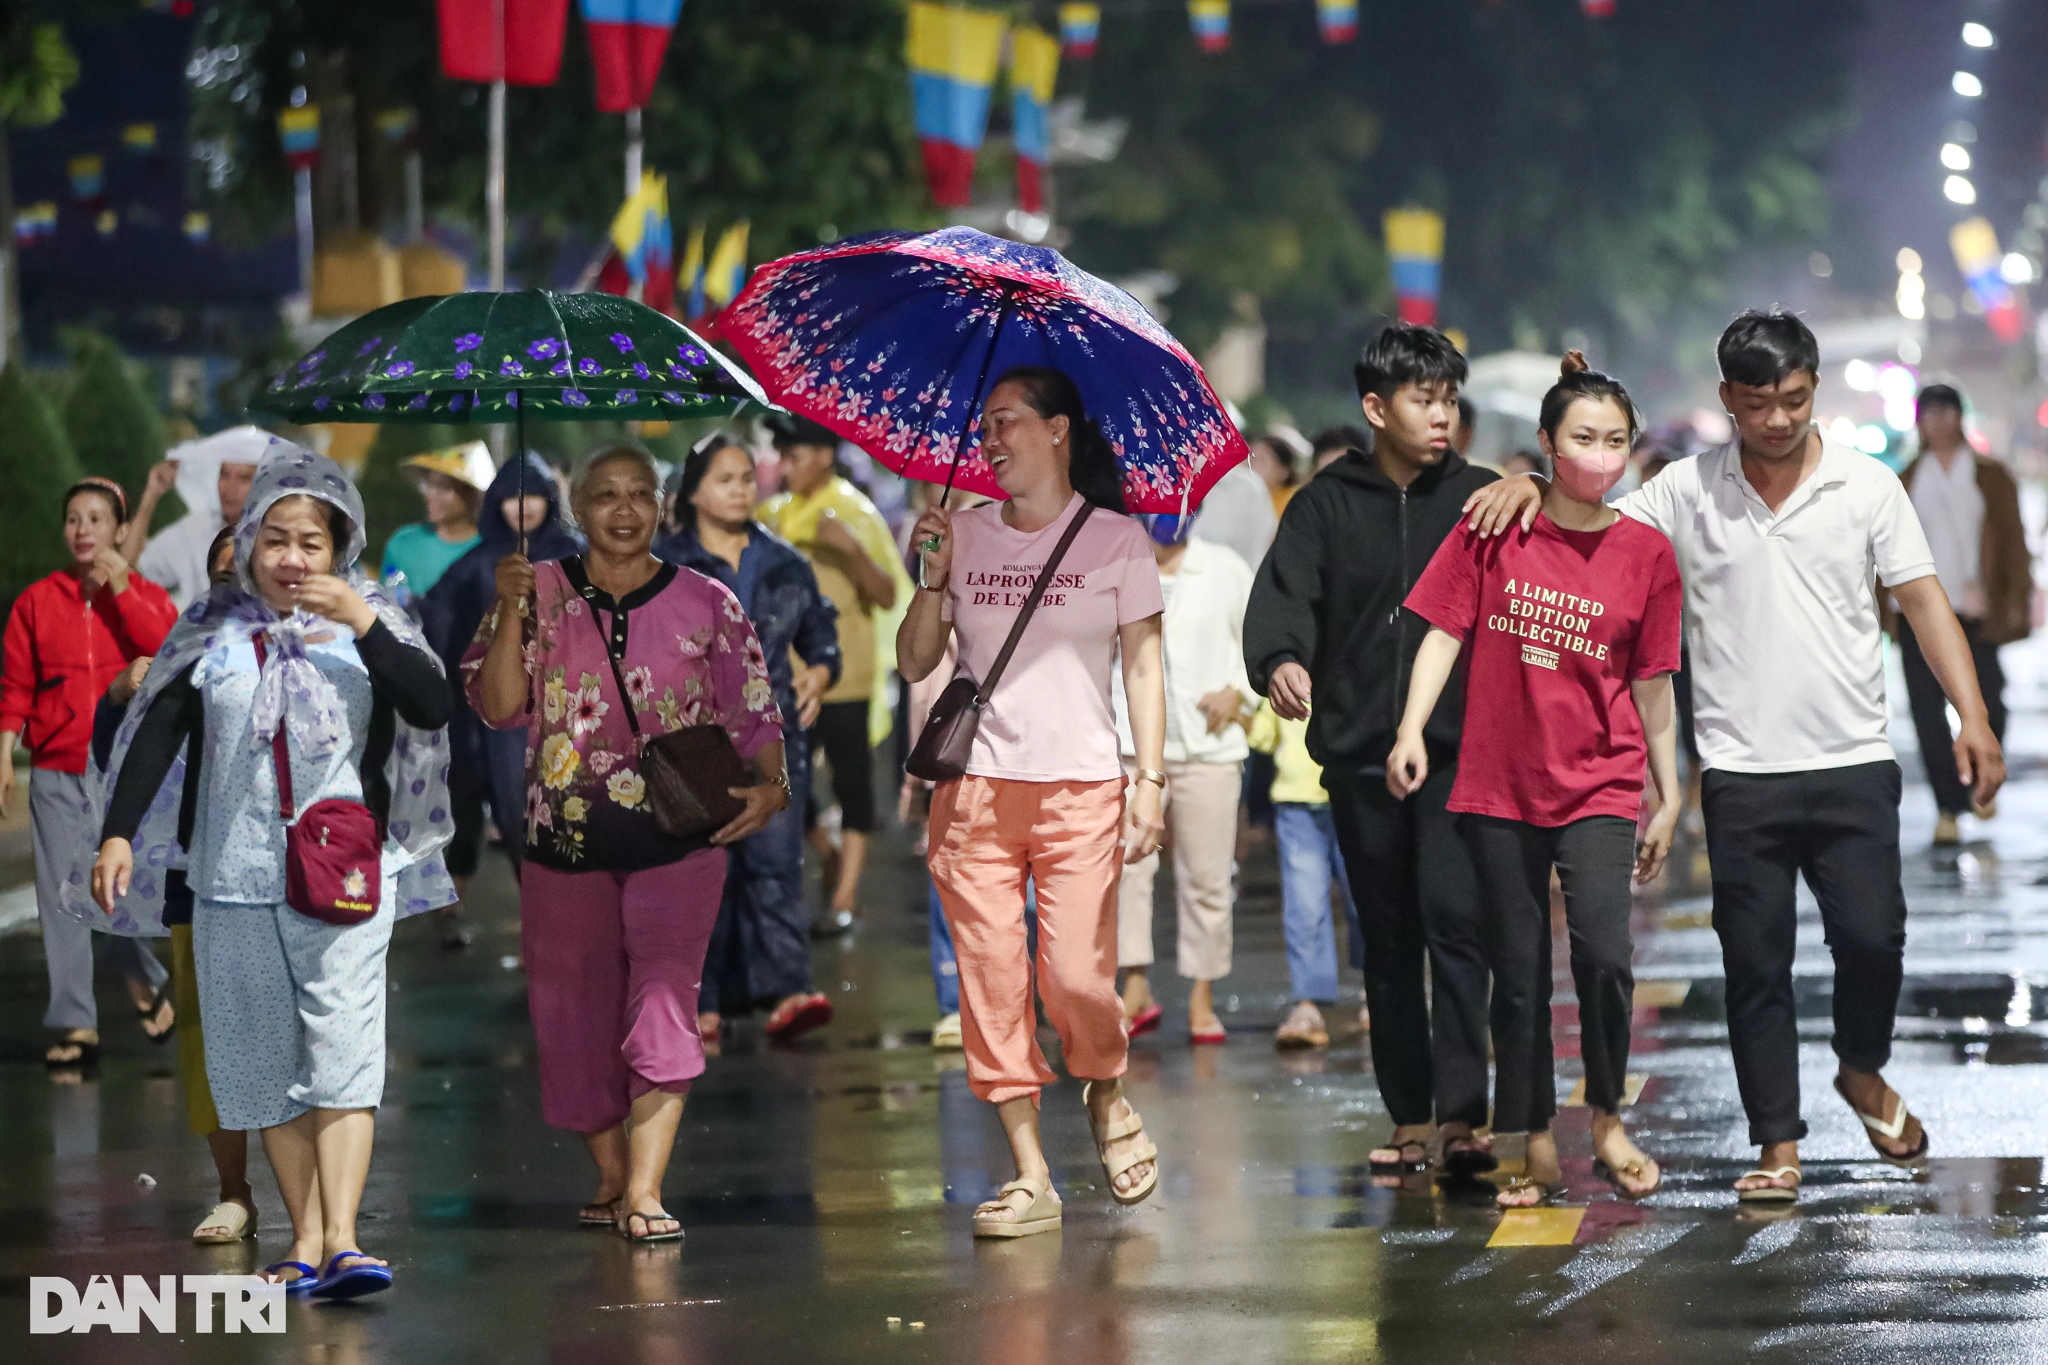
628, 39
532, 30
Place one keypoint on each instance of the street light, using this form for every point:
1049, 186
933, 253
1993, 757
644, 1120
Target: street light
1912, 300
1955, 156
1959, 190
1967, 85
2016, 268
1976, 35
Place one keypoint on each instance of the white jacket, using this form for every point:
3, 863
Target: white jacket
1203, 642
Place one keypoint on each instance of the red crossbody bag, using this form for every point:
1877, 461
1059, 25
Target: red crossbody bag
333, 850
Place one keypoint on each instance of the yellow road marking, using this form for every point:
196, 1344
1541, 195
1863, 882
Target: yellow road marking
1537, 1228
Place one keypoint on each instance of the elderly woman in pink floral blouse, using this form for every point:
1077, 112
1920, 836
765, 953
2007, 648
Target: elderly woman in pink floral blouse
616, 914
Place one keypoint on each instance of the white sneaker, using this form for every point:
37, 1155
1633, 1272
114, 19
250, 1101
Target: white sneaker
946, 1033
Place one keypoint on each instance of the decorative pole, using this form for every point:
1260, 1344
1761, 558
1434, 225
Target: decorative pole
298, 129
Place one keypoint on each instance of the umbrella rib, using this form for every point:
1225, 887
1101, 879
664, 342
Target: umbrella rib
568, 346
905, 300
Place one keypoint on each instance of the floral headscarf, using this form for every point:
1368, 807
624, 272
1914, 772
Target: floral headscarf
290, 690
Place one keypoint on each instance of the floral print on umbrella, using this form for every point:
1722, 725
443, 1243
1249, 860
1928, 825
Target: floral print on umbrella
882, 337
428, 359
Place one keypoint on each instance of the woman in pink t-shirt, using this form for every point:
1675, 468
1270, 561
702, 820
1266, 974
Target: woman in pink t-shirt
1043, 799
1570, 635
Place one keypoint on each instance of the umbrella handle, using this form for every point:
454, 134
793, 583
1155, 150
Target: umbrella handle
967, 420
519, 454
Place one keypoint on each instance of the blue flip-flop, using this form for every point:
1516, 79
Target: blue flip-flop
354, 1282
308, 1276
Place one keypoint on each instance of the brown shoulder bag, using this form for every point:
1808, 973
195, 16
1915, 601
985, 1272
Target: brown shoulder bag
689, 772
947, 740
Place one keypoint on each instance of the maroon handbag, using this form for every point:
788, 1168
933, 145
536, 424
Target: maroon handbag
947, 741
333, 850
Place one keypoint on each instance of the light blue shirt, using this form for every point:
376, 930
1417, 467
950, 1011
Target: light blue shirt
238, 840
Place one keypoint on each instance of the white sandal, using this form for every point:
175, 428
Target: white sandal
1116, 1166
1771, 1194
234, 1220
1042, 1214
1891, 1132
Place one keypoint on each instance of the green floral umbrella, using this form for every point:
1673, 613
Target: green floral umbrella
482, 357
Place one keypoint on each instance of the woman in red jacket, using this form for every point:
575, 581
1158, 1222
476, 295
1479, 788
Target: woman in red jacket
67, 637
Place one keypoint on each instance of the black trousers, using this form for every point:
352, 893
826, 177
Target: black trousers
1839, 827
1930, 711
1411, 878
1594, 858
842, 734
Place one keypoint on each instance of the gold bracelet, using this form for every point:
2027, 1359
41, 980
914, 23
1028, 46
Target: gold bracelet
1152, 775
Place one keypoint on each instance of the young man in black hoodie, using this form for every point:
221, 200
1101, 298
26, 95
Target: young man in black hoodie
1326, 621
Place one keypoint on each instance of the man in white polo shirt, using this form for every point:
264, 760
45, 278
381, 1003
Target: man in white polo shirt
1780, 535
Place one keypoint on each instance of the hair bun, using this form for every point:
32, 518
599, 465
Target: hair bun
1574, 363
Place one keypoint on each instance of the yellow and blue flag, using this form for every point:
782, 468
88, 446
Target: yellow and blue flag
1034, 67
953, 56
1337, 19
726, 272
1415, 251
1079, 26
691, 275
645, 243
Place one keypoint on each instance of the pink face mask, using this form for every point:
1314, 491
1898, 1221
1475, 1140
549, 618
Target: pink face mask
1588, 477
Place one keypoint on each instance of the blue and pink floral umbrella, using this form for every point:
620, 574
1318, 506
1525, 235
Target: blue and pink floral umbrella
891, 339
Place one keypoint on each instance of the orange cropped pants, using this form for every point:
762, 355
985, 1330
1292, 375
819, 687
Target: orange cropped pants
988, 837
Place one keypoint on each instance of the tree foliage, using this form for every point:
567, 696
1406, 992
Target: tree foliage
36, 466
112, 424
1597, 176
36, 65
390, 498
794, 115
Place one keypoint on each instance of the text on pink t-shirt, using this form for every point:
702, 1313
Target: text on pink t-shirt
1049, 718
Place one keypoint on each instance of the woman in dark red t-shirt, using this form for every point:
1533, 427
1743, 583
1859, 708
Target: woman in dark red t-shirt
1570, 634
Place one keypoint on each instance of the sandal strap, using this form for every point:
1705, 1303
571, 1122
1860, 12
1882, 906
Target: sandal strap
1119, 1128
1136, 1156
1031, 1191
1890, 1131
1021, 1185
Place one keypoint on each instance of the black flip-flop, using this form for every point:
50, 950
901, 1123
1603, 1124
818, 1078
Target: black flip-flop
88, 1056
1404, 1161
1468, 1163
1546, 1194
150, 1011
1607, 1171
625, 1227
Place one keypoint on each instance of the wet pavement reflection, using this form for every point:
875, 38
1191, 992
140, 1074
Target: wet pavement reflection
826, 1186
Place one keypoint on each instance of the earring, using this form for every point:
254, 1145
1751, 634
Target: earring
1055, 440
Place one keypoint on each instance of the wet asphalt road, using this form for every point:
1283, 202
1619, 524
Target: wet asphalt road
826, 1187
